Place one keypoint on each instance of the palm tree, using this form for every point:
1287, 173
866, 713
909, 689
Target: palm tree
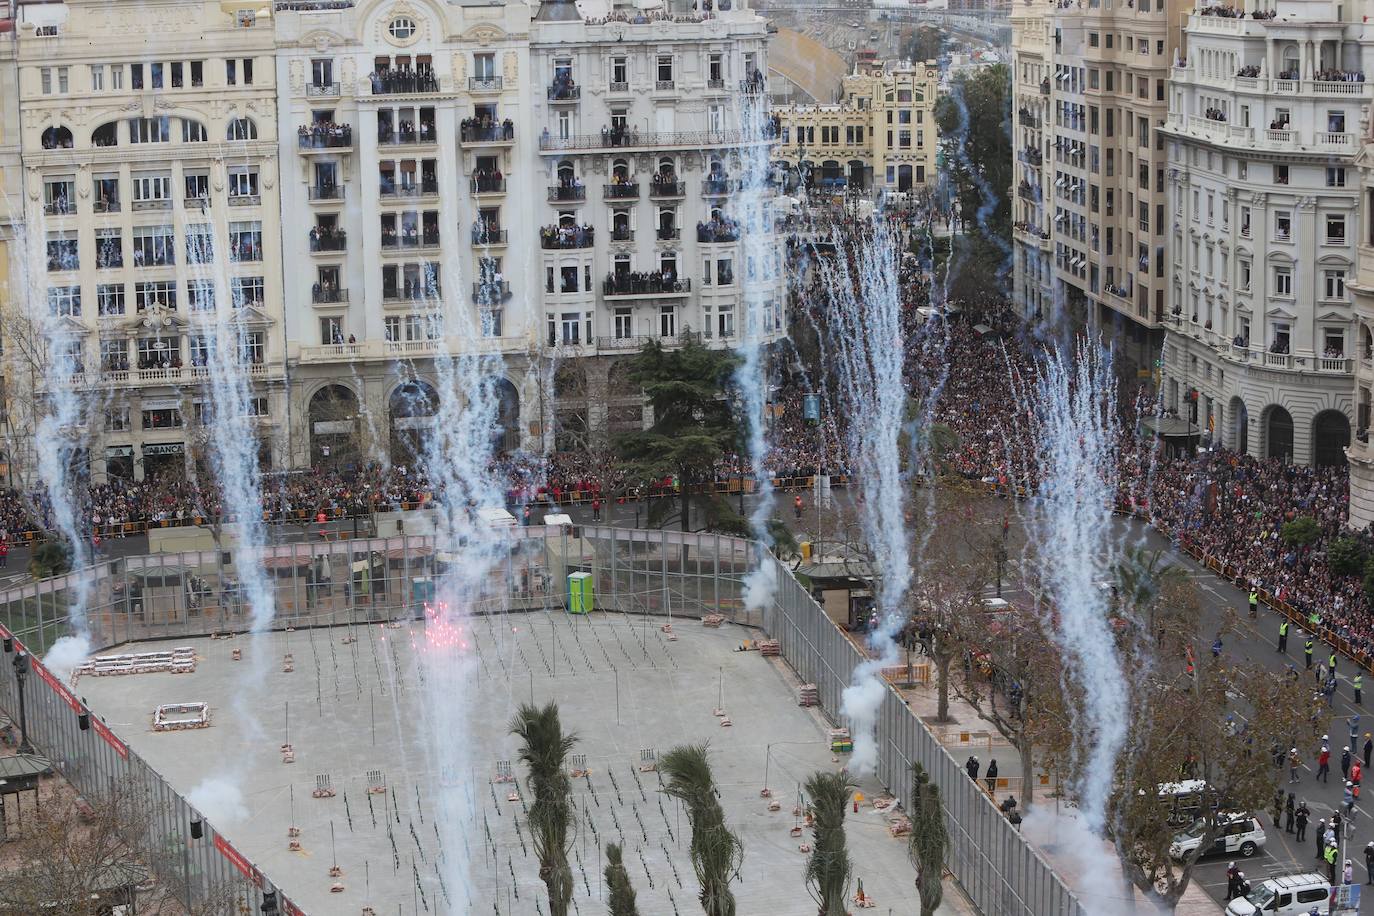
829, 869
929, 844
716, 852
620, 896
552, 818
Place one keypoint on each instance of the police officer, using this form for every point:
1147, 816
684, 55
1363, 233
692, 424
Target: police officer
1254, 602
1283, 633
1331, 663
1307, 652
1358, 685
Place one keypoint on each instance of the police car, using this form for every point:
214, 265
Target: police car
1240, 835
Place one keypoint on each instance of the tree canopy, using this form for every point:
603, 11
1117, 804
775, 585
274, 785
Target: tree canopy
693, 425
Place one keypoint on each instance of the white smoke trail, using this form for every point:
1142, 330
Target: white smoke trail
225, 352
869, 343
60, 414
751, 378
1071, 409
457, 454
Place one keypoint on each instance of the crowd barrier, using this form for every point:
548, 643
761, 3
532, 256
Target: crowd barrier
648, 572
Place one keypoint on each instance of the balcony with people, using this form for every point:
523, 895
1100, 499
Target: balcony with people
717, 182
718, 229
569, 189
410, 229
570, 235
328, 292
328, 237
627, 284
488, 181
564, 88
491, 288
484, 128
622, 185
407, 179
410, 282
404, 79
664, 184
487, 231
323, 135
405, 126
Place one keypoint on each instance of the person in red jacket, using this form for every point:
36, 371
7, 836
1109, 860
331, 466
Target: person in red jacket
596, 508
4, 554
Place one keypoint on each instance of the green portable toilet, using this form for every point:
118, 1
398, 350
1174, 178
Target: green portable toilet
579, 593
422, 591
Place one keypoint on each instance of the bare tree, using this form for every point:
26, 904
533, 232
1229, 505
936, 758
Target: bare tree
1193, 716
79, 859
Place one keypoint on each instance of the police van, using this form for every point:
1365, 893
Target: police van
1288, 895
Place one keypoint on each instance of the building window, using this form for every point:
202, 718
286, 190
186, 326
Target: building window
402, 28
150, 130
149, 295
200, 295
109, 299
1283, 281
1244, 277
97, 77
251, 348
1334, 283
154, 246
200, 244
64, 301
247, 291
665, 70
1283, 225
1335, 177
1335, 229
667, 321
193, 132
245, 241
624, 324
243, 183
45, 80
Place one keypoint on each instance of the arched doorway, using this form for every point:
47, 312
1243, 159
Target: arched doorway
507, 416
333, 417
570, 408
1330, 436
1278, 428
624, 399
1240, 426
412, 407
903, 178
858, 174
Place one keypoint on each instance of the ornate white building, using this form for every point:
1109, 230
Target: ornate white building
395, 120
643, 120
149, 149
1264, 127
558, 181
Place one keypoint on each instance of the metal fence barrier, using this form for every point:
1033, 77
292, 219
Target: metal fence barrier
655, 573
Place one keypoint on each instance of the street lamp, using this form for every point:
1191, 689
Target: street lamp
21, 671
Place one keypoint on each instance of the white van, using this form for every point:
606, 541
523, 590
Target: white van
1241, 835
1289, 895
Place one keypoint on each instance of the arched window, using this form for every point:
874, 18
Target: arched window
106, 135
242, 129
57, 138
620, 170
666, 170
566, 172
